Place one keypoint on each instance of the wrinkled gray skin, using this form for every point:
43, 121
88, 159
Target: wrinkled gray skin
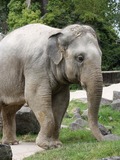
37, 64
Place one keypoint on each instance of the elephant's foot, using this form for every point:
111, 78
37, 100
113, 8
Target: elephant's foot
55, 143
48, 143
10, 142
111, 137
58, 143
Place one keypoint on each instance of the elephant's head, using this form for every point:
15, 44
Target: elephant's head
77, 57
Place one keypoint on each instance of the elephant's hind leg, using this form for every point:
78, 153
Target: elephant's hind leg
9, 124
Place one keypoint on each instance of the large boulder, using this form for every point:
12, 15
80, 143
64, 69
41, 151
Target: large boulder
26, 121
116, 95
105, 102
5, 152
116, 100
104, 130
116, 104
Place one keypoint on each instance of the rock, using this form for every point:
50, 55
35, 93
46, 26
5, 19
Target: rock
78, 124
116, 100
26, 121
111, 137
116, 95
75, 126
85, 114
105, 102
111, 158
104, 130
5, 152
81, 122
76, 110
76, 116
116, 104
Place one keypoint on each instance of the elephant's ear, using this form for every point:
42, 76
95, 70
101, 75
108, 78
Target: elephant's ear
53, 48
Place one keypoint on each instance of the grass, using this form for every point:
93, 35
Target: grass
80, 151
80, 144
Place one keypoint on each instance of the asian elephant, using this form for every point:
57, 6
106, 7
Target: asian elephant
37, 65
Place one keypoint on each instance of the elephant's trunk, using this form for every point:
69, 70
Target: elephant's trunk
94, 94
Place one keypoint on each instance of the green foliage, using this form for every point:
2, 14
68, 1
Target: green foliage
75, 87
111, 50
100, 15
60, 13
3, 15
20, 15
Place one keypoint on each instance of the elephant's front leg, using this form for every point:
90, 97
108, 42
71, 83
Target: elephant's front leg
41, 104
60, 103
47, 124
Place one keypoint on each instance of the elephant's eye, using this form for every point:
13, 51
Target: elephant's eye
80, 58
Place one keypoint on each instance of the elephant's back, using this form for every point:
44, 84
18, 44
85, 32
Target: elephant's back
26, 39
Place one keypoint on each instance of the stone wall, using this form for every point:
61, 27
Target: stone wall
111, 77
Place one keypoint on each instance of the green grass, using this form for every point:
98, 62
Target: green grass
27, 137
80, 144
105, 113
80, 151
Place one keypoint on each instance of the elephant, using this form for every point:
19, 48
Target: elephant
37, 65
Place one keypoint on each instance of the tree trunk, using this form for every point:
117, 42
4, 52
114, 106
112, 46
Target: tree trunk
28, 2
43, 6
